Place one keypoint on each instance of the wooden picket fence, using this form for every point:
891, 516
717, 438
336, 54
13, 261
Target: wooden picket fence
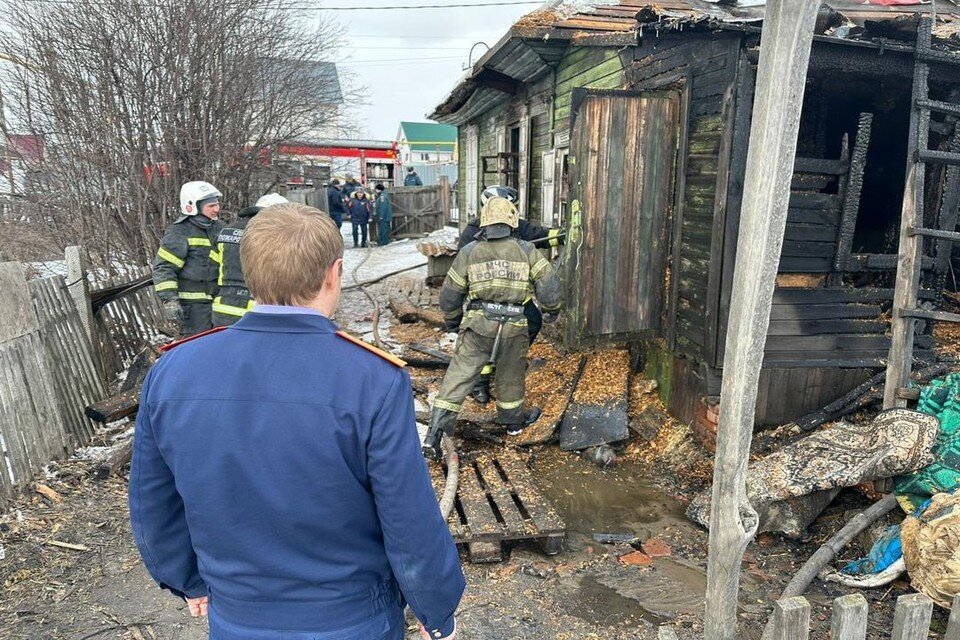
911, 621
77, 377
48, 374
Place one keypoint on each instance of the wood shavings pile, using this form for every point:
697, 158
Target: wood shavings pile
605, 377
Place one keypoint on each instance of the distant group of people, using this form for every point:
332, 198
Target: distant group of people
350, 200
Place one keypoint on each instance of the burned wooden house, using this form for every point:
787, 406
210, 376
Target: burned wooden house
628, 125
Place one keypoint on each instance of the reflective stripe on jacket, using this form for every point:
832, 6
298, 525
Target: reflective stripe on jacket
505, 270
186, 265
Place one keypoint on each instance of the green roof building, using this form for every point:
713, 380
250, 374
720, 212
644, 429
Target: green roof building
426, 143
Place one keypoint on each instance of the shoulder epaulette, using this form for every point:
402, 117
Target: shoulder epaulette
392, 359
177, 343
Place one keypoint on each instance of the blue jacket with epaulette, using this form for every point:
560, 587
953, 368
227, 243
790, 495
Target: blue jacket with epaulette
296, 502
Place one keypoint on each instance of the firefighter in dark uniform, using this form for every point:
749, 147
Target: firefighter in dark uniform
234, 299
494, 276
185, 269
525, 231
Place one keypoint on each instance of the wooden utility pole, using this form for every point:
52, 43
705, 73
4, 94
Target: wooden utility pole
784, 56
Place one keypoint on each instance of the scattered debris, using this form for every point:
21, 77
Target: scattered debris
656, 548
550, 387
931, 549
66, 545
602, 455
790, 487
616, 538
49, 493
636, 559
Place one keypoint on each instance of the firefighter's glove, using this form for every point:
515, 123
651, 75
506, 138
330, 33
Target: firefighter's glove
173, 312
551, 316
451, 325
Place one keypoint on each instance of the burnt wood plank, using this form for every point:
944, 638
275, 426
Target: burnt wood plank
831, 325
851, 201
115, 407
821, 201
818, 311
832, 295
837, 342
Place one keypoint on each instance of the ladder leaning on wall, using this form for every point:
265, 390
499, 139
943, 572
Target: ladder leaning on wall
906, 311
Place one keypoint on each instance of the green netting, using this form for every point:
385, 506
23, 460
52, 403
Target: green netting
941, 398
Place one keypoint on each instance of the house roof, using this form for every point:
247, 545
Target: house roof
316, 73
428, 136
533, 46
27, 147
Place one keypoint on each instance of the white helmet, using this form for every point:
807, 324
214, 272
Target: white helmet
497, 191
271, 199
192, 193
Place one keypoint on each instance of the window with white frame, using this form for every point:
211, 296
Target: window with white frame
471, 153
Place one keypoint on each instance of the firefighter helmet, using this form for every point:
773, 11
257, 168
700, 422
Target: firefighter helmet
499, 210
192, 194
271, 199
496, 191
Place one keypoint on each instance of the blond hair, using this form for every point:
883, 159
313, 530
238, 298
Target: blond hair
286, 252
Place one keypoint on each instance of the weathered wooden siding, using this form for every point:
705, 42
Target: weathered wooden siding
584, 67
47, 376
706, 68
462, 176
624, 150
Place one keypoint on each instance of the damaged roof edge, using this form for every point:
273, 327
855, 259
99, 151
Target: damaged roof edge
844, 19
461, 92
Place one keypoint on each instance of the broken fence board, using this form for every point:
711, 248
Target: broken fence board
791, 619
115, 407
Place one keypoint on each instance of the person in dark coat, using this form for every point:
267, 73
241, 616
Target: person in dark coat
211, 506
351, 186
412, 179
383, 212
360, 209
335, 203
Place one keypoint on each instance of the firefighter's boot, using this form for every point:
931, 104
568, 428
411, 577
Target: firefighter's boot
529, 416
442, 422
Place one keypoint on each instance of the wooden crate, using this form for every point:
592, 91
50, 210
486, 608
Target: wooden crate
497, 502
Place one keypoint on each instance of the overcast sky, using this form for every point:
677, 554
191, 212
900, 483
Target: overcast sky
410, 59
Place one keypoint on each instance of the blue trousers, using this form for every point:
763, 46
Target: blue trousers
361, 226
389, 625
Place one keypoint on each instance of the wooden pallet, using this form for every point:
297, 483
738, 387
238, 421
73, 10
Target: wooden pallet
497, 502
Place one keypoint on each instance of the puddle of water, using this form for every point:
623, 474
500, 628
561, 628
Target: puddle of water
655, 595
620, 499
599, 604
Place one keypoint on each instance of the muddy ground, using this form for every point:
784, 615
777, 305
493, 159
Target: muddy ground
99, 588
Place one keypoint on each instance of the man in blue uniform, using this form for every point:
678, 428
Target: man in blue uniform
335, 203
279, 501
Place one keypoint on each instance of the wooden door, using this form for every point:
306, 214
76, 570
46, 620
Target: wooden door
623, 152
